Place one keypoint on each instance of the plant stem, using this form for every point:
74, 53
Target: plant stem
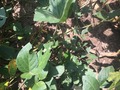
22, 84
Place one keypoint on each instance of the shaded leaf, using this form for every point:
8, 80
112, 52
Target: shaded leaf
2, 16
7, 52
12, 67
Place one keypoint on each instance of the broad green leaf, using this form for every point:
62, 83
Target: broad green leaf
43, 58
39, 86
91, 57
44, 15
27, 75
66, 9
90, 83
26, 61
90, 72
12, 67
56, 12
39, 73
2, 16
104, 73
42, 75
51, 83
115, 78
60, 69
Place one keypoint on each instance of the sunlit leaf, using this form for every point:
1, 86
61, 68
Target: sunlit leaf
90, 83
26, 61
39, 86
115, 78
43, 58
104, 73
56, 12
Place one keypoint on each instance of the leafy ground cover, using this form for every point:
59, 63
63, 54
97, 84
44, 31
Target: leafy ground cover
59, 44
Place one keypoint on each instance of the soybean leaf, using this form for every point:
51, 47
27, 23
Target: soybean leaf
60, 70
27, 75
43, 58
38, 72
12, 67
42, 74
2, 16
56, 12
104, 73
39, 86
115, 77
90, 83
26, 61
51, 83
90, 72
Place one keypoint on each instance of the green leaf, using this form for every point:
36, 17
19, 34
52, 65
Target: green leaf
102, 15
90, 83
56, 12
2, 16
38, 72
44, 15
42, 75
43, 58
115, 78
12, 67
91, 57
60, 70
26, 61
90, 72
27, 75
104, 73
56, 71
39, 86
